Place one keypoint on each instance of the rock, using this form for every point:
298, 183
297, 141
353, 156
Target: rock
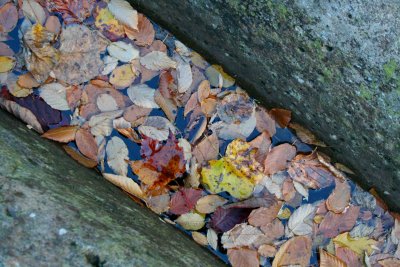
335, 65
55, 212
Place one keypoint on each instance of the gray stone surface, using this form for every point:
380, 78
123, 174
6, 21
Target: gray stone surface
335, 64
55, 212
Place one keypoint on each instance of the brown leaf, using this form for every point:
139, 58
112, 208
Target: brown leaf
27, 81
53, 24
273, 231
264, 215
203, 91
243, 257
210, 203
86, 144
267, 251
125, 183
265, 123
88, 163
167, 105
192, 104
262, 142
74, 95
281, 116
5, 50
295, 251
288, 190
209, 106
207, 149
390, 262
309, 171
348, 256
334, 224
277, 159
8, 17
199, 238
146, 175
136, 115
339, 199
62, 134
166, 81
145, 34
328, 260
305, 135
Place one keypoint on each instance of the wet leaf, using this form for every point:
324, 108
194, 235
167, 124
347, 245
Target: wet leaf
349, 257
33, 11
223, 220
136, 115
124, 12
199, 238
212, 238
243, 257
117, 155
278, 158
23, 113
145, 33
281, 116
6, 63
203, 91
265, 123
390, 262
184, 76
72, 11
242, 235
209, 203
295, 251
27, 81
157, 128
110, 63
88, 163
108, 24
125, 183
53, 25
158, 204
191, 221
300, 222
328, 260
264, 215
273, 231
157, 60
267, 251
8, 17
14, 88
184, 200
213, 72
358, 245
142, 95
55, 95
86, 144
339, 199
122, 76
122, 51
63, 134
5, 50
192, 103
334, 224
207, 149
262, 142
167, 105
309, 171
106, 102
305, 135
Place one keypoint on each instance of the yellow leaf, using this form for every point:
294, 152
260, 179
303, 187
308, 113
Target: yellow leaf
6, 64
122, 76
191, 221
213, 73
105, 20
358, 245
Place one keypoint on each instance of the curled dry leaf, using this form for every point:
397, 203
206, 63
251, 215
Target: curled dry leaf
327, 260
145, 33
281, 116
117, 155
207, 149
305, 135
264, 215
157, 60
122, 51
62, 134
243, 257
88, 163
277, 159
334, 224
210, 203
142, 95
124, 12
339, 199
122, 76
295, 251
86, 143
125, 183
191, 221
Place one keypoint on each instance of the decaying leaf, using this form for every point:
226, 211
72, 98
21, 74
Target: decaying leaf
243, 257
27, 81
281, 116
306, 135
167, 105
53, 25
184, 76
63, 134
224, 219
267, 251
295, 251
157, 128
242, 235
108, 24
339, 199
207, 149
122, 76
106, 102
72, 11
191, 221
264, 215
300, 222
6, 64
199, 238
265, 123
184, 200
23, 113
212, 238
328, 260
214, 73
145, 33
125, 183
8, 17
124, 12
334, 224
358, 245
122, 51
117, 155
102, 124
34, 11
86, 144
210, 203
136, 115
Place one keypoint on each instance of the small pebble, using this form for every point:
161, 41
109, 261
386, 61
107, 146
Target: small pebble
62, 231
32, 215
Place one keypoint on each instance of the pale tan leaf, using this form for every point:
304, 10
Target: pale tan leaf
329, 260
27, 81
207, 149
145, 33
124, 13
278, 158
243, 257
102, 124
305, 135
209, 203
167, 105
212, 238
106, 102
55, 95
157, 128
157, 60
117, 155
125, 183
33, 11
53, 24
267, 251
142, 95
203, 91
191, 221
122, 76
339, 199
199, 238
62, 134
184, 76
122, 51
295, 251
88, 163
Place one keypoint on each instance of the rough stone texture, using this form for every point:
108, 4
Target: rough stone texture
335, 64
55, 212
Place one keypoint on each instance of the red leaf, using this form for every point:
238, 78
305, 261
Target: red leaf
184, 200
224, 220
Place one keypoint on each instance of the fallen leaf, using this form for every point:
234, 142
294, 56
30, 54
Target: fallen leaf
55, 95
184, 76
358, 245
62, 134
124, 12
122, 76
142, 95
390, 262
265, 123
242, 235
339, 199
199, 238
27, 81
278, 158
295, 251
273, 231
334, 224
6, 64
108, 24
223, 220
243, 257
191, 104
327, 260
33, 11
106, 102
264, 215
72, 11
145, 33
102, 124
125, 183
158, 204
8, 17
209, 203
88, 163
203, 91
5, 50
214, 72
167, 105
281, 116
53, 25
349, 257
110, 63
207, 149
157, 128
300, 222
136, 115
117, 155
305, 135
122, 51
86, 144
267, 251
191, 221
157, 60
301, 189
212, 238
184, 200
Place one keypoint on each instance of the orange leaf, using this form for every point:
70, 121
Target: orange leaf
62, 134
88, 163
86, 144
281, 116
145, 34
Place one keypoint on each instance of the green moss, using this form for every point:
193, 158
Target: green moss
282, 11
365, 92
390, 69
327, 73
